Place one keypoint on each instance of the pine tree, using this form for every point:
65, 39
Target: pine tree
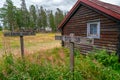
52, 21
58, 17
43, 17
7, 13
19, 18
25, 16
39, 19
15, 19
33, 16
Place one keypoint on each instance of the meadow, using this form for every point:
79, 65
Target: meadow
45, 59
39, 42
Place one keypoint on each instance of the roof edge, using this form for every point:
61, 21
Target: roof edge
69, 13
91, 4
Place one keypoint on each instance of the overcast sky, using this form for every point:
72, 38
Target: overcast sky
65, 5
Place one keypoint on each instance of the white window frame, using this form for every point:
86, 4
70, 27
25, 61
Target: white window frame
98, 30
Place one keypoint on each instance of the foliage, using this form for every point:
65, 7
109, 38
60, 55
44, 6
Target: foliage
53, 66
91, 69
43, 17
52, 21
16, 19
58, 16
108, 60
7, 14
25, 16
33, 16
0, 28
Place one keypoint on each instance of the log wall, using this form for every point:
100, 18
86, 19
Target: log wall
78, 25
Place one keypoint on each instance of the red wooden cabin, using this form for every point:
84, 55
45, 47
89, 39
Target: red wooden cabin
94, 19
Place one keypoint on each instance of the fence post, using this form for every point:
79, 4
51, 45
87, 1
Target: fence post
22, 46
72, 57
72, 54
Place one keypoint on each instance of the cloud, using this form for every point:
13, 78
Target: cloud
65, 5
53, 4
37, 0
57, 1
116, 2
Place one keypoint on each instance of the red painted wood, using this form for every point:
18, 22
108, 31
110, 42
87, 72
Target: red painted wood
109, 9
78, 25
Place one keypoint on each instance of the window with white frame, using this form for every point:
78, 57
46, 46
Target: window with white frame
93, 29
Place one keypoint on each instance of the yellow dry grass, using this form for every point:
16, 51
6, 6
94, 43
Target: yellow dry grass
55, 56
40, 42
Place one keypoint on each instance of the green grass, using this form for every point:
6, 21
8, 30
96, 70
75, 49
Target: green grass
53, 64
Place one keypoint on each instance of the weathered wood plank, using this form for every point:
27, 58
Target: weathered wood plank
19, 33
75, 39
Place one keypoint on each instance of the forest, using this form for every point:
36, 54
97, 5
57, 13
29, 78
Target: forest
33, 17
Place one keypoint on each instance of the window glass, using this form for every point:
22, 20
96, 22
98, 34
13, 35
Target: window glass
93, 29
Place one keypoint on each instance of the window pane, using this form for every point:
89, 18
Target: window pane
93, 29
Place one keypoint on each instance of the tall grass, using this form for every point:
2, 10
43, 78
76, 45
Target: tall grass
32, 44
54, 65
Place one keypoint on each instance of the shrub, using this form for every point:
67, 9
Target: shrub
108, 60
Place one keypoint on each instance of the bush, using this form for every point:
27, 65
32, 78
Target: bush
108, 60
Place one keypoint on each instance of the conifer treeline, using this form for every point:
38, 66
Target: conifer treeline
36, 17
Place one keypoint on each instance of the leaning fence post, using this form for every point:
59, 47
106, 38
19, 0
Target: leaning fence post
72, 54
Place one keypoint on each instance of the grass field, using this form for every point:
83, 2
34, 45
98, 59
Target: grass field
32, 44
46, 60
53, 64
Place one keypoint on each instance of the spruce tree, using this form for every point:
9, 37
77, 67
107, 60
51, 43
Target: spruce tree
33, 16
25, 16
39, 19
52, 21
43, 17
58, 17
8, 16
